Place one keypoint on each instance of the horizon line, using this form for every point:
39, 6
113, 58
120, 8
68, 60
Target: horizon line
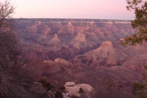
74, 18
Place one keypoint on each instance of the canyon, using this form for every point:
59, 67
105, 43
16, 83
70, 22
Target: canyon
83, 51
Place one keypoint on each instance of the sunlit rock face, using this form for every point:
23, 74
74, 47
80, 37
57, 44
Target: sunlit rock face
107, 51
55, 39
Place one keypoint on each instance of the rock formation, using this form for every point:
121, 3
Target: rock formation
87, 51
79, 90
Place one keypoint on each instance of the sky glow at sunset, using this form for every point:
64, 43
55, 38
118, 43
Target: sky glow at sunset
97, 9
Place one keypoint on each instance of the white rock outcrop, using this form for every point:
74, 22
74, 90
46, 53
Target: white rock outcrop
78, 90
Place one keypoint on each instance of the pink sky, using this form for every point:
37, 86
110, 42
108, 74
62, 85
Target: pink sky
97, 9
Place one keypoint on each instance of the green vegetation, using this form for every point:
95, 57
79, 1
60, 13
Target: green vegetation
140, 88
139, 23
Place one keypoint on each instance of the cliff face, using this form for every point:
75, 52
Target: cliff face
88, 42
51, 35
105, 55
73, 49
81, 31
84, 40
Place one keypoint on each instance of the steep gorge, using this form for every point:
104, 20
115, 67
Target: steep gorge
82, 50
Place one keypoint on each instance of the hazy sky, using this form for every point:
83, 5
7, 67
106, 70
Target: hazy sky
98, 9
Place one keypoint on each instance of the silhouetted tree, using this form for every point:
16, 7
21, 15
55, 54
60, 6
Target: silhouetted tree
46, 84
14, 83
8, 41
139, 23
140, 88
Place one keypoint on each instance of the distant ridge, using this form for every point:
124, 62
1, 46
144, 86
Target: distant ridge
72, 19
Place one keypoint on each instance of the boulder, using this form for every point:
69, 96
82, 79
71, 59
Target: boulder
79, 90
